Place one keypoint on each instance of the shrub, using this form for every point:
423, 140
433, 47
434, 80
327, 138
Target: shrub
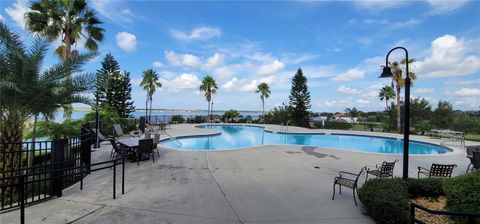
338, 125
178, 118
425, 187
386, 200
463, 193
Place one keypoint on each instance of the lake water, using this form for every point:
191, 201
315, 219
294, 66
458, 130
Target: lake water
164, 115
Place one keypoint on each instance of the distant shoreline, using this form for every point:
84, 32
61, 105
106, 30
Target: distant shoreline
163, 110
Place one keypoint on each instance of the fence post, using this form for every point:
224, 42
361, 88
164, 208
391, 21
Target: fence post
85, 147
58, 157
114, 176
22, 199
412, 213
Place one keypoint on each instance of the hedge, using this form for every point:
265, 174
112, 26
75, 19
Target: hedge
388, 200
463, 193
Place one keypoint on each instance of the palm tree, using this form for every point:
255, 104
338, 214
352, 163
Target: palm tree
209, 86
30, 92
386, 93
353, 112
150, 83
397, 70
264, 91
67, 20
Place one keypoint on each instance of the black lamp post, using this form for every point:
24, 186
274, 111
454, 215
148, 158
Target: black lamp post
387, 73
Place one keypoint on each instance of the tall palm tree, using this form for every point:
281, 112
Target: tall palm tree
386, 93
31, 92
398, 70
150, 82
67, 20
264, 91
209, 87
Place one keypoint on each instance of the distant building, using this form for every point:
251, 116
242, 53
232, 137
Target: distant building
345, 117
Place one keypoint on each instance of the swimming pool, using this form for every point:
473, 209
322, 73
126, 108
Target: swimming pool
239, 136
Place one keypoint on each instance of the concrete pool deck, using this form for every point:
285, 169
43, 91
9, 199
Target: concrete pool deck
264, 184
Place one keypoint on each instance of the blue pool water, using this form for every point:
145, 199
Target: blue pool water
238, 136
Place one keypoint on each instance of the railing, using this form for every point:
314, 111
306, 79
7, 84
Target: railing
171, 137
38, 162
470, 216
22, 182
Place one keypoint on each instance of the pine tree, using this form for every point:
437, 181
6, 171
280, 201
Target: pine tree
124, 96
114, 87
300, 99
109, 66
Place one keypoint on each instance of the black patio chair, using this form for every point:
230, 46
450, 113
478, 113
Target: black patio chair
350, 182
437, 170
118, 149
474, 161
382, 171
145, 146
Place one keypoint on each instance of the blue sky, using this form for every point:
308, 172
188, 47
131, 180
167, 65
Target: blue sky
340, 45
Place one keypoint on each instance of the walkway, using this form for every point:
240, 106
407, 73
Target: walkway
266, 184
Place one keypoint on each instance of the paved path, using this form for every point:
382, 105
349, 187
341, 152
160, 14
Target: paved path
265, 184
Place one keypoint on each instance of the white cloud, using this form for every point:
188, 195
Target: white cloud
376, 6
350, 75
2, 18
293, 58
126, 41
113, 10
185, 81
363, 101
251, 86
200, 33
214, 61
318, 71
17, 12
231, 84
347, 90
448, 57
423, 90
468, 92
182, 59
157, 64
443, 6
392, 24
271, 68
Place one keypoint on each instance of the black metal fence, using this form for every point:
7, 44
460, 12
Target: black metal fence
469, 217
45, 167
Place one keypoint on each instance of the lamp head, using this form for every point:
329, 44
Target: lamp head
387, 72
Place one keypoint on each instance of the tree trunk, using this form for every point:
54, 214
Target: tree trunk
31, 153
208, 112
146, 109
151, 102
399, 108
263, 110
11, 150
386, 104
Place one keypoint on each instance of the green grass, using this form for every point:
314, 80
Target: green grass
473, 137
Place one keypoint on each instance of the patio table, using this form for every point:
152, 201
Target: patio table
130, 143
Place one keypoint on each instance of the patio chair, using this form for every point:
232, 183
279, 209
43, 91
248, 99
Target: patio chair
384, 170
350, 182
437, 170
474, 161
145, 146
156, 140
118, 150
148, 134
119, 132
101, 136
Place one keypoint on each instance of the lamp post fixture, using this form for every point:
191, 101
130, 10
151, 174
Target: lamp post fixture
387, 73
